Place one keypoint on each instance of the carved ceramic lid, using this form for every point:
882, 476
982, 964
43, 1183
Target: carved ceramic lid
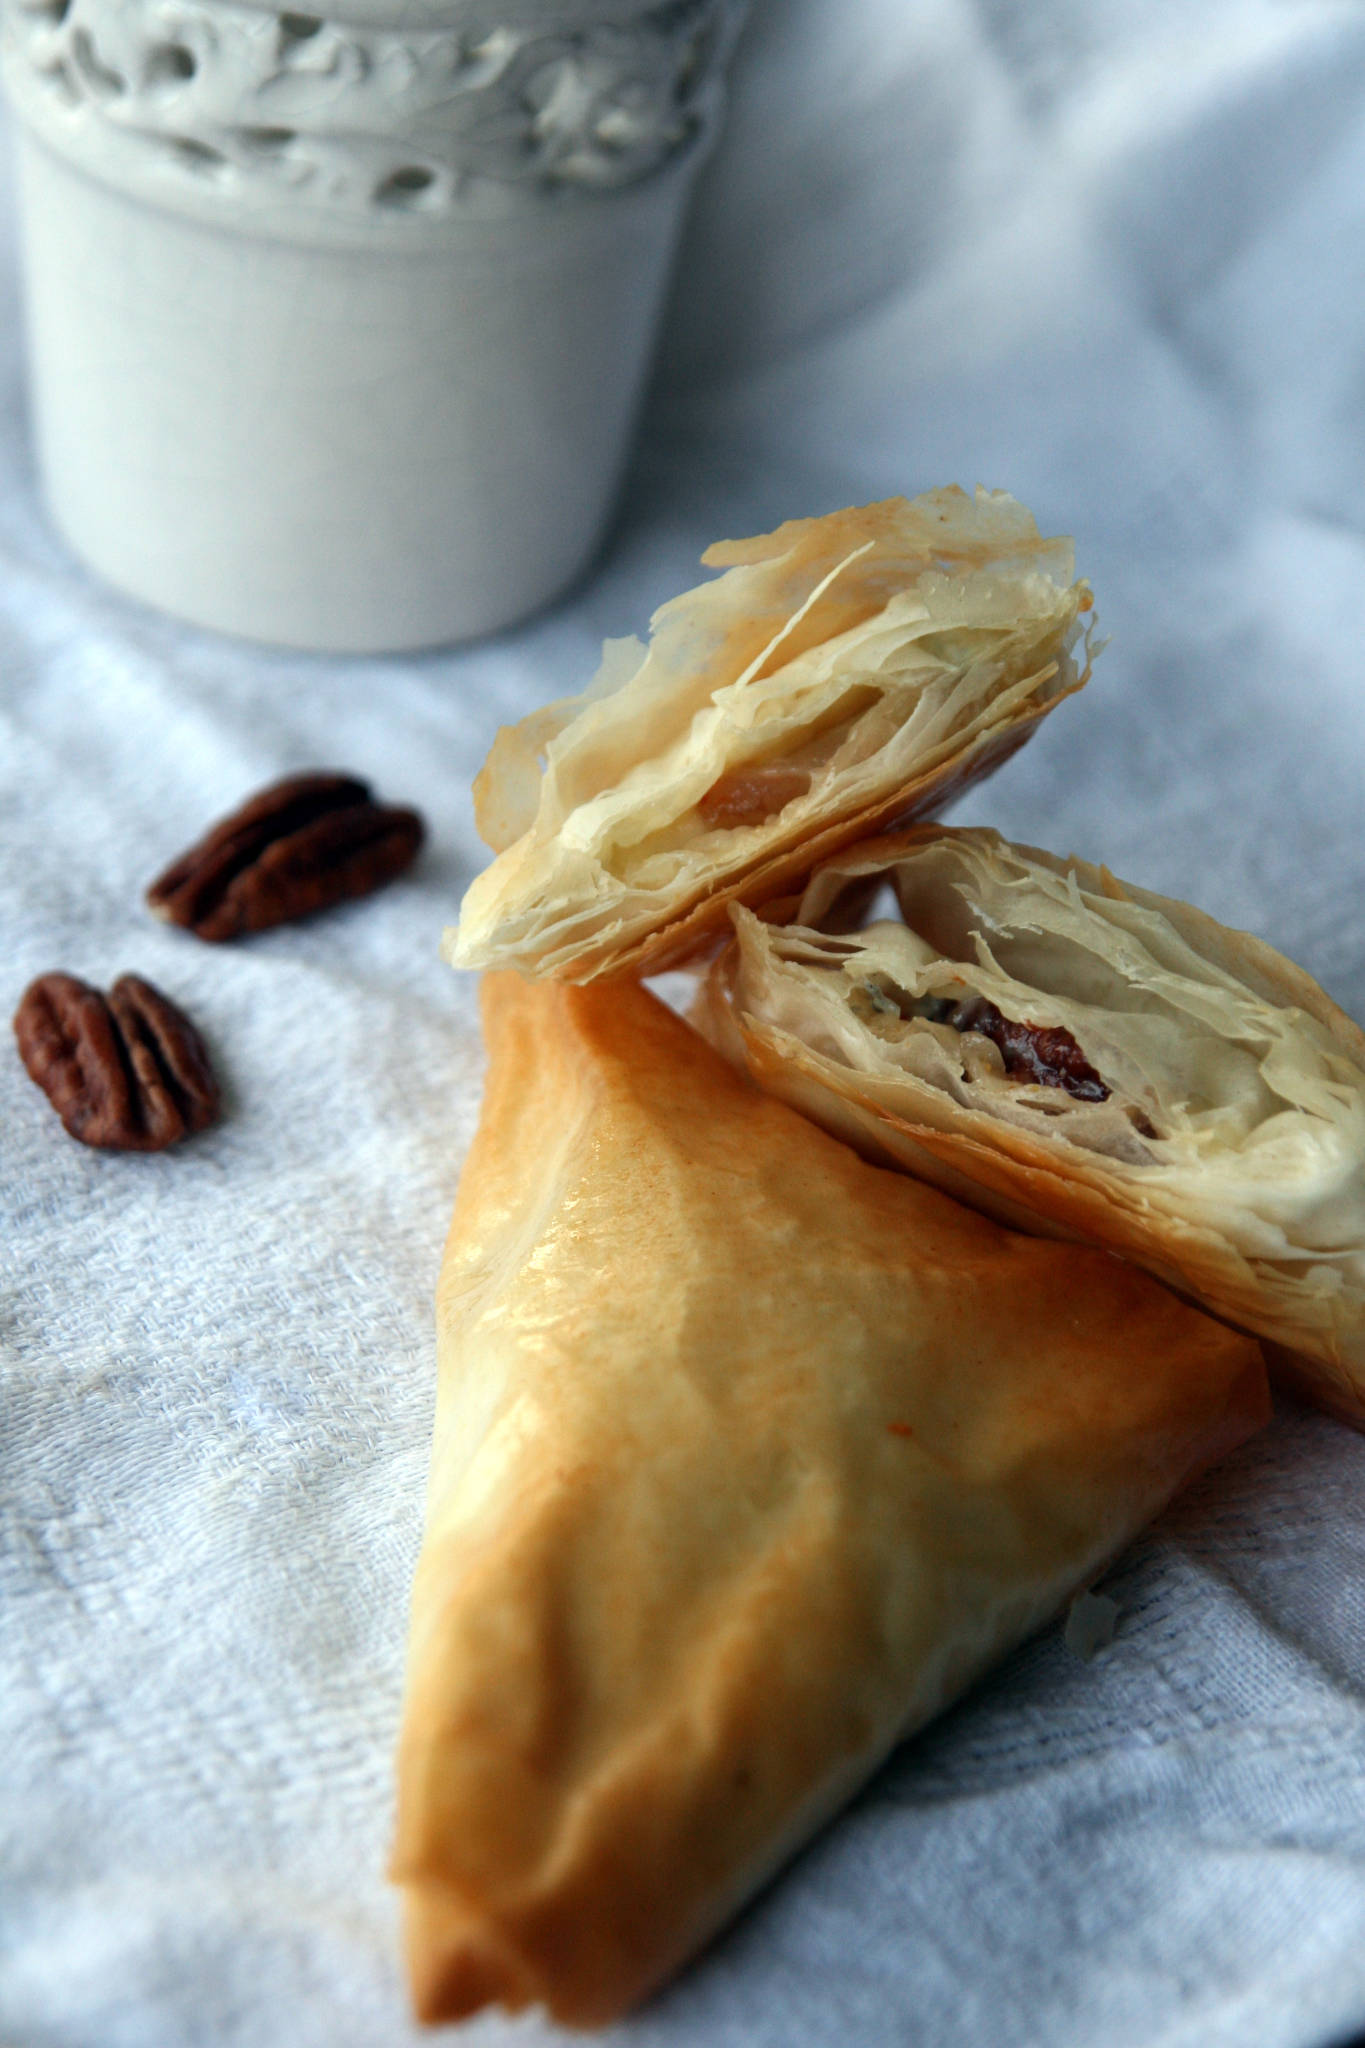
368, 114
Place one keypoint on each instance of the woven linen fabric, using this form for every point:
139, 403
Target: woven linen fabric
1110, 257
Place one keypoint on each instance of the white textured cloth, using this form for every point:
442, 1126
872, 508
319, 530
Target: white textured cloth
1109, 254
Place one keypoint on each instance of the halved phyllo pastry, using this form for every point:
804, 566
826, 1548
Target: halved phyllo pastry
748, 1458
844, 673
1068, 1052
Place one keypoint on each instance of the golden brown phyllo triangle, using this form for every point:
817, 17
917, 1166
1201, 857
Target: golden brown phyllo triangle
749, 1457
1069, 1052
753, 1449
843, 673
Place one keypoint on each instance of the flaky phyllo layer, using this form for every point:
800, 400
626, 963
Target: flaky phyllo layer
843, 674
1058, 1046
748, 1458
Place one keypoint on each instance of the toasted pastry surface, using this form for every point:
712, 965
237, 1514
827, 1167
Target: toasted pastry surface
843, 674
1204, 1111
748, 1457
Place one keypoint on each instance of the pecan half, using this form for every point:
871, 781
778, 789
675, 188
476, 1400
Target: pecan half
126, 1071
301, 845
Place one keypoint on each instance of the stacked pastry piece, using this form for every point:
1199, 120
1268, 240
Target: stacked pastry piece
752, 1447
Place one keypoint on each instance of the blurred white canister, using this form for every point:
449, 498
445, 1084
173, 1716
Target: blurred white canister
338, 325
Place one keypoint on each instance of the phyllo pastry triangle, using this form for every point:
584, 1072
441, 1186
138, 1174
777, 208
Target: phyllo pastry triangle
843, 674
1073, 1053
748, 1457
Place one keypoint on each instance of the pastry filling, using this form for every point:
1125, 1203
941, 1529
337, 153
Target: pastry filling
750, 796
1052, 999
1046, 1055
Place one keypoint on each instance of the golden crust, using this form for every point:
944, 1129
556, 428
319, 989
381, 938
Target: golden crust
871, 665
748, 1457
1232, 1242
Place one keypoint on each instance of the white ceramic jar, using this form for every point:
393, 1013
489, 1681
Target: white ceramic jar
337, 326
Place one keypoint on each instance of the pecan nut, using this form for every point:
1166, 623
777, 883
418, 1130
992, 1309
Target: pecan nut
300, 846
127, 1071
